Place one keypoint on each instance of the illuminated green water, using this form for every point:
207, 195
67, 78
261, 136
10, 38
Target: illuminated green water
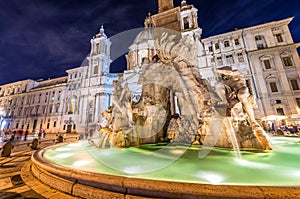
279, 167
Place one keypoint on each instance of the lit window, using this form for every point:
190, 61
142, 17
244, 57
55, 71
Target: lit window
294, 84
273, 87
287, 61
280, 111
226, 44
267, 64
279, 38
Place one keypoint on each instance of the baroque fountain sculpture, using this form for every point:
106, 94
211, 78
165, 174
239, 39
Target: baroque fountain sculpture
177, 105
152, 133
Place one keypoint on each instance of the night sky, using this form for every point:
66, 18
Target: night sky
44, 38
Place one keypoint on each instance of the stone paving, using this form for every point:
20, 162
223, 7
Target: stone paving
13, 171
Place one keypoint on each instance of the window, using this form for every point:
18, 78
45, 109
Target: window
298, 102
249, 86
210, 49
226, 44
54, 124
294, 84
280, 111
50, 109
236, 42
74, 126
219, 61
258, 38
96, 68
240, 57
287, 61
267, 63
278, 101
186, 23
279, 38
260, 42
56, 108
217, 46
273, 87
229, 59
48, 124
260, 46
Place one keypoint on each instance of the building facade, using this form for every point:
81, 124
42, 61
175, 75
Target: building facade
69, 104
34, 105
265, 54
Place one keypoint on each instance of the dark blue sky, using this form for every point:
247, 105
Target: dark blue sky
44, 38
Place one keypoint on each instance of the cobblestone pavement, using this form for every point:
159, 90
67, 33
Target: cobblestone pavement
12, 185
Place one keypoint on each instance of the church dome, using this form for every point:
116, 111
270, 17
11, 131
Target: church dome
144, 36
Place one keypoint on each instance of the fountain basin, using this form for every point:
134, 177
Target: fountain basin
83, 171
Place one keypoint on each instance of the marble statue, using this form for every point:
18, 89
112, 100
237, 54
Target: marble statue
171, 82
235, 90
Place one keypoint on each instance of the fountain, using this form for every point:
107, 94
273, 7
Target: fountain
183, 137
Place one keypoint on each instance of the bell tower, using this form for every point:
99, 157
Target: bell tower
99, 59
164, 5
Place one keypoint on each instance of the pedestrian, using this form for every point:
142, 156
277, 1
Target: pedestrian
91, 133
20, 133
39, 134
26, 134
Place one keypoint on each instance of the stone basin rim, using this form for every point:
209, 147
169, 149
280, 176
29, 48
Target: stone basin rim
76, 182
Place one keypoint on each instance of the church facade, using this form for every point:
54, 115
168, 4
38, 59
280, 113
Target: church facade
265, 54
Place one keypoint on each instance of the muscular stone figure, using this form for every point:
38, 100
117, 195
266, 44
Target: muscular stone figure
236, 90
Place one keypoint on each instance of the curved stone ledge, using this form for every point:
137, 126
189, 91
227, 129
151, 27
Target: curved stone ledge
95, 185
